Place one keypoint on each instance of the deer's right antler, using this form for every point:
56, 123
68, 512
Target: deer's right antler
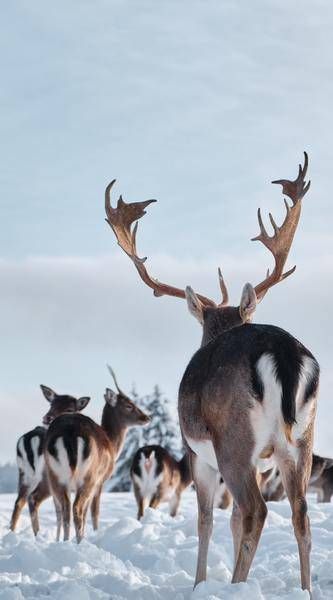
120, 220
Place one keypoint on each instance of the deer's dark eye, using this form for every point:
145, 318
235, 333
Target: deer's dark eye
129, 407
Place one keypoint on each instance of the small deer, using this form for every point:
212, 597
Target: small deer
33, 486
248, 394
80, 456
157, 477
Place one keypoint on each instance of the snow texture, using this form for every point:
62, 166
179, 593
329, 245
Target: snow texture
155, 559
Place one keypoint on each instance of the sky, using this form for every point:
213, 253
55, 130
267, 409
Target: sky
197, 104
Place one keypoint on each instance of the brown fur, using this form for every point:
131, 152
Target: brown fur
102, 445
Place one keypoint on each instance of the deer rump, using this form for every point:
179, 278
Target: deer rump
76, 448
30, 458
258, 375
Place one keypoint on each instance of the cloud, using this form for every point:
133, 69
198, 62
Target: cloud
64, 318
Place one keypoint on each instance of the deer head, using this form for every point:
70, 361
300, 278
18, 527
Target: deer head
119, 404
61, 404
217, 317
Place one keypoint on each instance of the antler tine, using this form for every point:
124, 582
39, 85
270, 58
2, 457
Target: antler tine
111, 371
280, 242
224, 290
121, 220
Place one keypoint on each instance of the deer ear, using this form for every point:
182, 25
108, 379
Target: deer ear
49, 394
194, 305
81, 403
248, 303
110, 397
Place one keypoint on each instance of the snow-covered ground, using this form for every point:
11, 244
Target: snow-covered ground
155, 559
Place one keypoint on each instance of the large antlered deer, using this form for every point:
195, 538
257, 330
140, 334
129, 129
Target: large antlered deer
33, 486
249, 393
158, 477
80, 456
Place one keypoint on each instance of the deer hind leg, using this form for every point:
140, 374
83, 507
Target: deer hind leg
327, 492
35, 499
295, 476
58, 512
95, 505
63, 500
204, 478
20, 503
80, 507
249, 512
174, 503
236, 529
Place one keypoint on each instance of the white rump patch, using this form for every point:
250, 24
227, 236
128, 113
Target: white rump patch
267, 418
304, 412
31, 476
71, 479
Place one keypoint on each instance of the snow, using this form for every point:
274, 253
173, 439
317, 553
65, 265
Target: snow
155, 559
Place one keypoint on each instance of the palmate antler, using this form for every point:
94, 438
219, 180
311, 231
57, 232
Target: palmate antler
280, 242
120, 220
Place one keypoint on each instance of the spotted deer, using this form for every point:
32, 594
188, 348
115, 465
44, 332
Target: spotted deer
158, 477
80, 456
248, 394
33, 486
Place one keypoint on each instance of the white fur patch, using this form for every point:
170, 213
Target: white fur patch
267, 418
71, 479
304, 412
148, 482
205, 450
31, 476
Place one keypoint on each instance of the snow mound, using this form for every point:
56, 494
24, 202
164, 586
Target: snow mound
155, 559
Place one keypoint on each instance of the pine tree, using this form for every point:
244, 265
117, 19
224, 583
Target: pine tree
162, 429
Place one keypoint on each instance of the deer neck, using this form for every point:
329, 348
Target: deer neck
114, 427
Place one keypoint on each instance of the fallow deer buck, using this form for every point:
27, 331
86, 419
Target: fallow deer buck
158, 477
80, 456
33, 486
249, 393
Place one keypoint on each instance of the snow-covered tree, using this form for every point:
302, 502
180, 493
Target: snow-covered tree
163, 429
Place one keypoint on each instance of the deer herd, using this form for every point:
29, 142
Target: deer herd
247, 404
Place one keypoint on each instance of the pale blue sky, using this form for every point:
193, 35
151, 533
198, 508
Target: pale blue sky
198, 104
